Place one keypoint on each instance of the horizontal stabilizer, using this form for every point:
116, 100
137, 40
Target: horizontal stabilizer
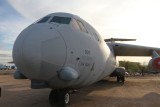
118, 39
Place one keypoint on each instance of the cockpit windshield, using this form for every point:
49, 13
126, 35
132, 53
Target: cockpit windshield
43, 20
61, 20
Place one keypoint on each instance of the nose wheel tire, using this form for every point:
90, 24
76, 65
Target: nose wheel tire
53, 98
59, 98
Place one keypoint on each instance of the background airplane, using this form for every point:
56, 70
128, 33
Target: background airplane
61, 51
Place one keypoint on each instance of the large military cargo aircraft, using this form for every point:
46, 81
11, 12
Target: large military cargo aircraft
61, 51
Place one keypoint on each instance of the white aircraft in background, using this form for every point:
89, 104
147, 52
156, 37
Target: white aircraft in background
61, 51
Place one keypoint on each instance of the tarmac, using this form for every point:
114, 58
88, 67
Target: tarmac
135, 92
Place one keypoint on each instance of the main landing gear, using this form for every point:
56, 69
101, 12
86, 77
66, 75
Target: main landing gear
59, 98
119, 72
120, 78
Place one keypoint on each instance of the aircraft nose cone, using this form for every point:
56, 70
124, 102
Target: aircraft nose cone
39, 52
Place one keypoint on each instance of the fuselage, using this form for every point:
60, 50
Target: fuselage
64, 51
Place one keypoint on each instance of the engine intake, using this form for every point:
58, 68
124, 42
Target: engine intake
155, 63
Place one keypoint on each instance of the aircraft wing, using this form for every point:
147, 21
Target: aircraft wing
132, 50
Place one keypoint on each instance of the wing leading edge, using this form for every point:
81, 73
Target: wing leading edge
132, 50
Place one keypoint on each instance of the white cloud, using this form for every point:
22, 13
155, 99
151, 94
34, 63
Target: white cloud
9, 30
5, 56
112, 18
38, 8
98, 13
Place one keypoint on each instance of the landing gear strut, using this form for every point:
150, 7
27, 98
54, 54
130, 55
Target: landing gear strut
59, 98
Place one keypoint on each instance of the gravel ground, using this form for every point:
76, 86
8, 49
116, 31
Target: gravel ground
135, 92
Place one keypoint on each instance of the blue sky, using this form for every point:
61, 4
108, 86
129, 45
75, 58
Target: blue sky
10, 26
112, 18
6, 13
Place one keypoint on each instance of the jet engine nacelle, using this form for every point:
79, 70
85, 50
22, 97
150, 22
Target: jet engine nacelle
154, 63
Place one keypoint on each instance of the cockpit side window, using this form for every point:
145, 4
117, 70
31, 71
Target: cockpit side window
82, 28
45, 19
76, 25
97, 37
61, 20
79, 25
94, 33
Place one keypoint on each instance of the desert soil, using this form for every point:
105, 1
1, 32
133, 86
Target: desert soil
135, 92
